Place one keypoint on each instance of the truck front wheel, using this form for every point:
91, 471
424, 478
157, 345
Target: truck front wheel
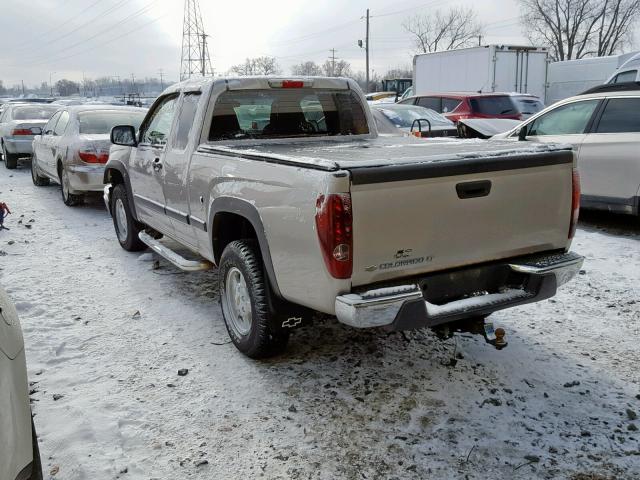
127, 228
244, 301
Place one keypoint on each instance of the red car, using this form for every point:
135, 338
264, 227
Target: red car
458, 106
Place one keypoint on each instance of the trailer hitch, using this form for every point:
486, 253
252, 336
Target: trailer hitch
475, 326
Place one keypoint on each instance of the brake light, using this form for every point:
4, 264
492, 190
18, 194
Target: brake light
334, 222
290, 83
22, 131
575, 202
91, 156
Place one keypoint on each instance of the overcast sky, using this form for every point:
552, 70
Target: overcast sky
69, 38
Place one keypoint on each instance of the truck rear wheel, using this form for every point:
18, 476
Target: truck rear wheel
127, 228
245, 303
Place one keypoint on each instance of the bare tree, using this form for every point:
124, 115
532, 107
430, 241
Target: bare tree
257, 66
455, 28
306, 69
339, 68
574, 29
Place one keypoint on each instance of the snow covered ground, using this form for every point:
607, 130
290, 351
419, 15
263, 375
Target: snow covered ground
106, 335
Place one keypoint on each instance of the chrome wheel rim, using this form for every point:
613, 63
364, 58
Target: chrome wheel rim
121, 220
238, 302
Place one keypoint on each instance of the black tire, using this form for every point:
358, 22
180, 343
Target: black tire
10, 159
36, 469
128, 239
38, 181
69, 199
257, 340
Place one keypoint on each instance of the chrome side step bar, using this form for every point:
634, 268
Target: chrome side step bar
173, 257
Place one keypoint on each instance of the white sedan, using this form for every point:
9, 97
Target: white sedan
19, 454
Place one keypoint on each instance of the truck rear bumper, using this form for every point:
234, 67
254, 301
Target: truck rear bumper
404, 307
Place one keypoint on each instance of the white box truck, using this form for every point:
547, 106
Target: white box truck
572, 77
492, 68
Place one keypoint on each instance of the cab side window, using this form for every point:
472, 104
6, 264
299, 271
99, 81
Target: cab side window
450, 104
62, 124
625, 77
157, 128
565, 120
620, 115
434, 103
186, 119
51, 124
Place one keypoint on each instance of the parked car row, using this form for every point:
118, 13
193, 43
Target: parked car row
68, 145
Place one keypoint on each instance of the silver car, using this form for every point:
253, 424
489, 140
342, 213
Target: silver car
603, 125
398, 119
19, 454
74, 146
18, 125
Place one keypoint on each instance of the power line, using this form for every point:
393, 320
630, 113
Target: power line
47, 32
136, 29
109, 28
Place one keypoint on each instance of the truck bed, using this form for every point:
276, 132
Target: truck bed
333, 155
423, 206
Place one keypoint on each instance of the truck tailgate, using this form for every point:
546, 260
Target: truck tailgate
419, 218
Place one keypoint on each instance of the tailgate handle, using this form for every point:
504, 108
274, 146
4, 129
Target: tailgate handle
473, 189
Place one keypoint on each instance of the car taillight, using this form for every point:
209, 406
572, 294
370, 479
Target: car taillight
92, 156
334, 222
22, 131
575, 202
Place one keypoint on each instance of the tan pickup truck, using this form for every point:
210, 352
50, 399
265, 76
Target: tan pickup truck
285, 187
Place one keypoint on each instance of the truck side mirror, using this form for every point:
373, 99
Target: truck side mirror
124, 135
522, 134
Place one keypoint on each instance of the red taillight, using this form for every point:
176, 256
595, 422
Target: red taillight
334, 222
22, 131
292, 84
91, 156
575, 202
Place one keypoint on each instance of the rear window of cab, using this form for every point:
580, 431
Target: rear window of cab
287, 113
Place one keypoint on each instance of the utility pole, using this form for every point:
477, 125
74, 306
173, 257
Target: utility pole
23, 93
133, 83
367, 48
479, 40
333, 62
161, 73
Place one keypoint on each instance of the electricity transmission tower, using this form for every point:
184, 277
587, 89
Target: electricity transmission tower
195, 52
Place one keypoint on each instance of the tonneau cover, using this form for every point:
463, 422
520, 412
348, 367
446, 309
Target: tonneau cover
332, 155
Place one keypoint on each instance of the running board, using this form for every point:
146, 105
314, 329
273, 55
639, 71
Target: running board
173, 257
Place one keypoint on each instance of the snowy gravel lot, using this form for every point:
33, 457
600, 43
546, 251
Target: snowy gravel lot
106, 335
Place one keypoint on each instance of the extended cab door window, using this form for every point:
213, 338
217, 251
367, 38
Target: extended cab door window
185, 119
570, 119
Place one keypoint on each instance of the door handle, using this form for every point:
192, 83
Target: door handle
157, 166
473, 189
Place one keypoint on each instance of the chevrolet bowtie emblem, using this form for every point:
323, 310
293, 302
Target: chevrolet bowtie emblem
292, 322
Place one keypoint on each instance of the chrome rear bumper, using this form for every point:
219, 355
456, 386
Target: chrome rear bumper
404, 306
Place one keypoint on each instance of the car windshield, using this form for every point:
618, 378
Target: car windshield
40, 112
403, 116
101, 122
528, 105
494, 105
284, 113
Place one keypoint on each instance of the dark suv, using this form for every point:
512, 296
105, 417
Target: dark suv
459, 106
